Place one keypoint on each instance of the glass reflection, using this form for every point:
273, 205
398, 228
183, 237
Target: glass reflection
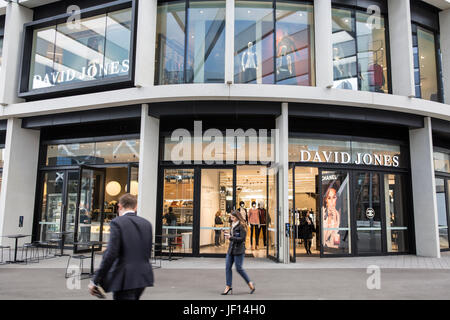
441, 161
121, 151
294, 44
253, 42
442, 213
425, 67
206, 42
359, 52
99, 47
203, 39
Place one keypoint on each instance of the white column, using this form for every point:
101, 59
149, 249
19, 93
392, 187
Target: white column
323, 43
19, 179
402, 63
145, 43
229, 42
282, 125
424, 191
16, 16
444, 20
148, 166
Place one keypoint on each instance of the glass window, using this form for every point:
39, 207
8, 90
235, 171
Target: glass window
97, 49
1, 50
294, 44
206, 42
441, 161
425, 65
74, 154
203, 39
117, 151
396, 219
70, 154
178, 204
255, 45
442, 213
359, 51
253, 42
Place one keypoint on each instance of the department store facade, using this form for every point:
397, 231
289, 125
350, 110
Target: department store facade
336, 110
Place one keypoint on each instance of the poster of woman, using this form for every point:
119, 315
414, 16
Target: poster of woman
335, 212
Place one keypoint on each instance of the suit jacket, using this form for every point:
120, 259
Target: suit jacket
126, 261
237, 241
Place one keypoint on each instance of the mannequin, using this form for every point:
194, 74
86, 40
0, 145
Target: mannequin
253, 219
243, 211
284, 65
249, 64
262, 222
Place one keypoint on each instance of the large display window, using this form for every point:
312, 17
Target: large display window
190, 42
274, 43
442, 169
426, 67
342, 203
62, 55
360, 60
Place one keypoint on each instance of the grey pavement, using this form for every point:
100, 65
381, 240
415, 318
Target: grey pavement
401, 277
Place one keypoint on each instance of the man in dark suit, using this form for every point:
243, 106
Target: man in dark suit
125, 269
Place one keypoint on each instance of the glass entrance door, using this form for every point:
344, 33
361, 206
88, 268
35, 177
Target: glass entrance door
58, 205
368, 213
90, 215
216, 204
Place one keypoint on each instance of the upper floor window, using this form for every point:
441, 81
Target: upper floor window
426, 51
359, 50
62, 55
190, 42
274, 43
426, 67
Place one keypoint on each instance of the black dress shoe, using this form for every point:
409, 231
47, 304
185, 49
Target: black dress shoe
230, 290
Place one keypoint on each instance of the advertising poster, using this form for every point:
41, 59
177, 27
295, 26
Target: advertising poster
335, 212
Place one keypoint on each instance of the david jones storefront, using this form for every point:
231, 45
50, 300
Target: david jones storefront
348, 169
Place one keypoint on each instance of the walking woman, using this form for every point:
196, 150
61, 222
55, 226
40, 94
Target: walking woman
236, 252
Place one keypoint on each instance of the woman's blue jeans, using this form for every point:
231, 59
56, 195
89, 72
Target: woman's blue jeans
239, 260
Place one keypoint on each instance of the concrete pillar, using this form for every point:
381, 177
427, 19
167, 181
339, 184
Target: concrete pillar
402, 63
19, 179
229, 42
16, 16
145, 43
282, 161
424, 191
323, 43
148, 166
444, 20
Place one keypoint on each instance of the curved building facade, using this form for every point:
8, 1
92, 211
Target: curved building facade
333, 112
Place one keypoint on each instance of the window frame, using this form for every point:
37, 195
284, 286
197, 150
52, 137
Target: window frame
385, 14
437, 46
118, 82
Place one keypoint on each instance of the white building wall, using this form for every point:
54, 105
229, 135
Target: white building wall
17, 196
424, 194
148, 166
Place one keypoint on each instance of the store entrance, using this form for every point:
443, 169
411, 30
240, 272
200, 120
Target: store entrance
350, 212
81, 202
197, 203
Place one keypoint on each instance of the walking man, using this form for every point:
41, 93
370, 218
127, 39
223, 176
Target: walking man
125, 269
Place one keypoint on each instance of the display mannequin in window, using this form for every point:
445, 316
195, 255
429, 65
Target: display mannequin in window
262, 223
249, 64
243, 211
284, 65
253, 219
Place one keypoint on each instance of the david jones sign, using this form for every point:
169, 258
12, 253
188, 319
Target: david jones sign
346, 158
87, 73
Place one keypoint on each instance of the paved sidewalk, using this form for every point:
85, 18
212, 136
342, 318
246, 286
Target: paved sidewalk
384, 262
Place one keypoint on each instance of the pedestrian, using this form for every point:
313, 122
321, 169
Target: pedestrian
125, 269
218, 223
308, 228
236, 252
